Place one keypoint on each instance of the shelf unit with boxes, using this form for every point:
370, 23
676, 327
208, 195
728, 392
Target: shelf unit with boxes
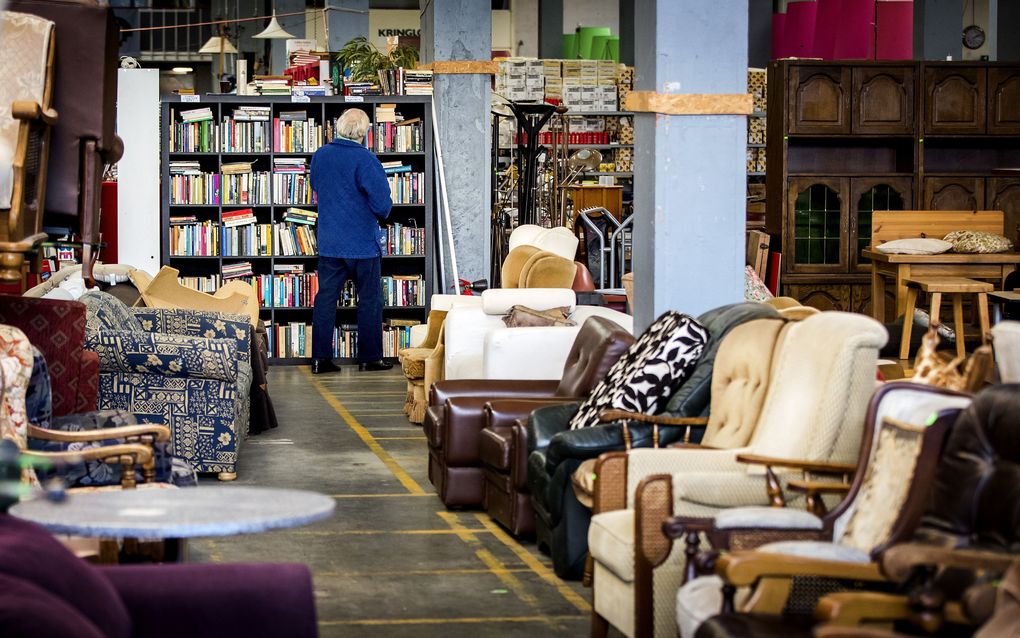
756, 148
848, 138
236, 203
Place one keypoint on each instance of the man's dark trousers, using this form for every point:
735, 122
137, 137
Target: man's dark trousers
333, 273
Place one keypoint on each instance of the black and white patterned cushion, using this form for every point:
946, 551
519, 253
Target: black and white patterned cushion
648, 374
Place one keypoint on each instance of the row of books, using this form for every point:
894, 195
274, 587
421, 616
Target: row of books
399, 137
397, 81
407, 187
404, 240
296, 135
203, 188
291, 188
295, 340
246, 188
292, 239
208, 284
403, 290
252, 239
287, 290
194, 239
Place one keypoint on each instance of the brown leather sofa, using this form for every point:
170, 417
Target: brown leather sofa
458, 412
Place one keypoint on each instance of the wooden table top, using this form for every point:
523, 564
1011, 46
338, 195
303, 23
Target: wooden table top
944, 258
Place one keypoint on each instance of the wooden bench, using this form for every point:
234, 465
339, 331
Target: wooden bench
895, 269
956, 288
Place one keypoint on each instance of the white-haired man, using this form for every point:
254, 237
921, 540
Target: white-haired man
353, 196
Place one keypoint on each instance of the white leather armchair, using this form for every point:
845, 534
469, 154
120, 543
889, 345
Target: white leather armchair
480, 346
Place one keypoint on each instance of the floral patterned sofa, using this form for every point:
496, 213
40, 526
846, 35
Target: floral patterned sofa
187, 369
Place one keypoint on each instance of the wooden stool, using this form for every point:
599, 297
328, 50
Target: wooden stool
956, 287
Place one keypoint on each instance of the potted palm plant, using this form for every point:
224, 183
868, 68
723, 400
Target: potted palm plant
360, 60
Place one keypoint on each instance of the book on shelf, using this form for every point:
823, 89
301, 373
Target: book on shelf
182, 220
300, 216
290, 165
362, 88
395, 167
417, 82
385, 112
252, 114
292, 187
403, 290
185, 167
246, 189
271, 85
294, 240
236, 270
236, 168
398, 137
292, 269
199, 239
192, 188
196, 115
248, 240
287, 290
404, 240
406, 187
249, 134
193, 137
208, 284
238, 217
296, 134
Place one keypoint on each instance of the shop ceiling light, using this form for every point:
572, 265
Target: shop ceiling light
181, 70
273, 31
218, 44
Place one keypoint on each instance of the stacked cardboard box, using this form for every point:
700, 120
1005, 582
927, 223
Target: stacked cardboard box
521, 79
756, 86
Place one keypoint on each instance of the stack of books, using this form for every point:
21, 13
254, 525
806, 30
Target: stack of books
417, 82
406, 187
238, 217
386, 113
291, 240
235, 271
295, 132
300, 216
271, 85
362, 88
189, 185
236, 168
208, 284
251, 114
201, 114
290, 181
403, 290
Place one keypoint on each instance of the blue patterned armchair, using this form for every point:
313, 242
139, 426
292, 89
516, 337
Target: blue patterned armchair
187, 369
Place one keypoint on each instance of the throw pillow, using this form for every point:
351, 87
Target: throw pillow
976, 241
914, 246
106, 312
524, 317
754, 288
650, 372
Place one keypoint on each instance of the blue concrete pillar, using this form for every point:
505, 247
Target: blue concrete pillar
690, 170
462, 30
345, 20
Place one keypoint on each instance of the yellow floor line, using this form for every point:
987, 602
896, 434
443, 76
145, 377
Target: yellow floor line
399, 438
405, 479
422, 572
536, 565
446, 621
454, 522
382, 532
377, 495
509, 580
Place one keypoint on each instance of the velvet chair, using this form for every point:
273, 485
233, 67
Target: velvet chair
822, 377
50, 593
555, 452
83, 141
456, 416
57, 328
971, 504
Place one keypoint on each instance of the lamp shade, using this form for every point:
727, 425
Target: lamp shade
273, 31
218, 44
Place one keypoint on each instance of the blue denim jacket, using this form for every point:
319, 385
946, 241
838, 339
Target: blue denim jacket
353, 196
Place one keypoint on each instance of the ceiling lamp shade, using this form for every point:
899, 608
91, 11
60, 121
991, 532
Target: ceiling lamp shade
273, 31
218, 44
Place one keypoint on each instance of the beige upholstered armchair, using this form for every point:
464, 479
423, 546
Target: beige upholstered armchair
821, 377
26, 90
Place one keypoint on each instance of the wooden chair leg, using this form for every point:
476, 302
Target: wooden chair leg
961, 345
982, 309
936, 306
908, 323
599, 625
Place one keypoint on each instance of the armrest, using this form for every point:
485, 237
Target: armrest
610, 483
847, 609
660, 419
814, 488
164, 354
27, 110
502, 413
197, 323
818, 467
157, 432
743, 569
839, 631
527, 353
491, 389
899, 561
547, 422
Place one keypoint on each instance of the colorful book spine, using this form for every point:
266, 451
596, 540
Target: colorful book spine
246, 188
195, 240
195, 189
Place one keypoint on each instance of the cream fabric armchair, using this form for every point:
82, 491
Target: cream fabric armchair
478, 345
821, 378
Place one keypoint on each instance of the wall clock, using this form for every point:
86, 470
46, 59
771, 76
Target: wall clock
973, 37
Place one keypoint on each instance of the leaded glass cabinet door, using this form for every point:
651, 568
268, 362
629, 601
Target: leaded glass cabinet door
817, 210
868, 194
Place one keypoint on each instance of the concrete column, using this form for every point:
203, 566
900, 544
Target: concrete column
348, 22
525, 17
294, 25
462, 30
550, 28
689, 178
938, 29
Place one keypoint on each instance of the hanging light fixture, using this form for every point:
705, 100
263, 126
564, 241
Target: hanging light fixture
273, 31
218, 44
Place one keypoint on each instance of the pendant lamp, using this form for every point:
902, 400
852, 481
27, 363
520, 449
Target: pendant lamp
218, 44
273, 31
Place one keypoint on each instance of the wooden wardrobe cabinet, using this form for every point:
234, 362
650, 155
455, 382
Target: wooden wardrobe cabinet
1004, 101
819, 100
1003, 193
883, 100
954, 193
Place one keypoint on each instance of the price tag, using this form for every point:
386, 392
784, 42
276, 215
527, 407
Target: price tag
191, 98
299, 97
354, 98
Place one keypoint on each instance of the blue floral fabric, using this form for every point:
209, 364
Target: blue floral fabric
187, 369
106, 312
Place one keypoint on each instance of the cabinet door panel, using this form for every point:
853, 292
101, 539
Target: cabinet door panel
1004, 101
860, 299
822, 296
817, 227
819, 100
883, 100
954, 193
1004, 195
868, 194
954, 100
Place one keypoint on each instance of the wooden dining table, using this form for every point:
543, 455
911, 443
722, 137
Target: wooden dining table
891, 270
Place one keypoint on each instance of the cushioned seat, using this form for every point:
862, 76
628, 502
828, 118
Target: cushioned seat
612, 536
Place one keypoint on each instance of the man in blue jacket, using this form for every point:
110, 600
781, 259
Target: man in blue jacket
353, 196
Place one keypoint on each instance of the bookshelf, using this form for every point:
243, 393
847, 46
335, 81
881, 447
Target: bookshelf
260, 224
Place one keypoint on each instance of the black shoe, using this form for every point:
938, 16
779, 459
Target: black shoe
372, 366
321, 366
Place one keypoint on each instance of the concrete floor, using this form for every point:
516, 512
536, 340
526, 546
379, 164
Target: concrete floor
392, 561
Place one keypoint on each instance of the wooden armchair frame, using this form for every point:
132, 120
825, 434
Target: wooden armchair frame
22, 232
136, 451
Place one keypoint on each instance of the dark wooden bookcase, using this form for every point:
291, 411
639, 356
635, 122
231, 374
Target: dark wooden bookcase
849, 138
323, 110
